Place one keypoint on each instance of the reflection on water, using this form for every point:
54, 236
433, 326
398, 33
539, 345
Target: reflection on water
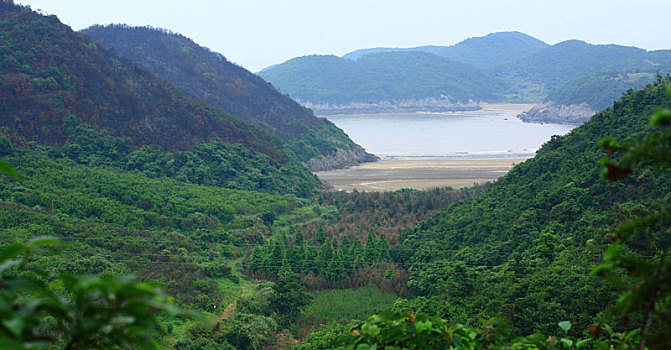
470, 134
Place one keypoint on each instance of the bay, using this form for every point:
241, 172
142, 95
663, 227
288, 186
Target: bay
492, 132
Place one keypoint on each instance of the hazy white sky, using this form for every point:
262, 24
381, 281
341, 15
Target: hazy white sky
258, 33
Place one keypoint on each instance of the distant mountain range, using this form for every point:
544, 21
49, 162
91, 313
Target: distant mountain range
481, 52
570, 80
384, 76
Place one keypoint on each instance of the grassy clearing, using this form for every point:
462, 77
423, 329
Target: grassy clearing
347, 304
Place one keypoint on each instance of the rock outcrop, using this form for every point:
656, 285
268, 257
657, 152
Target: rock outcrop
406, 106
341, 159
550, 112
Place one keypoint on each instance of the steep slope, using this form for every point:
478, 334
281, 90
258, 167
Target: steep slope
490, 50
49, 71
208, 76
576, 101
380, 77
558, 64
56, 85
523, 250
482, 52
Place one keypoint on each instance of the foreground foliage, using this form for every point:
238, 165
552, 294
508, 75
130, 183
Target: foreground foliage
70, 311
389, 330
641, 245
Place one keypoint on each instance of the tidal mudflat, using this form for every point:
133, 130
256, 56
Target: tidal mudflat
425, 150
394, 174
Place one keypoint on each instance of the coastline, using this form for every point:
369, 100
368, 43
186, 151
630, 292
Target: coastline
424, 168
430, 105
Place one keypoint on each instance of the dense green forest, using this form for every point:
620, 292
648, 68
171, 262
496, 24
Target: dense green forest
60, 89
556, 65
271, 262
519, 67
387, 76
481, 52
600, 89
527, 245
210, 77
108, 240
49, 71
198, 241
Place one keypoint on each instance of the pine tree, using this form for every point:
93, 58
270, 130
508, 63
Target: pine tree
336, 268
311, 255
257, 258
275, 258
299, 239
372, 253
357, 253
346, 253
320, 237
345, 244
296, 253
383, 249
289, 297
325, 256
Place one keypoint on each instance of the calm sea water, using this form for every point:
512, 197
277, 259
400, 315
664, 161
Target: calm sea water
471, 134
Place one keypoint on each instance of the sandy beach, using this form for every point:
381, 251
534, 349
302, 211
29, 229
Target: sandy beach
396, 171
511, 109
392, 174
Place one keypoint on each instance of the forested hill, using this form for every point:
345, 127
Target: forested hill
49, 71
492, 49
523, 250
598, 90
560, 63
60, 89
570, 80
208, 76
482, 52
377, 77
576, 100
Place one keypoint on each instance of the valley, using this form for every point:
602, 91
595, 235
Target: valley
155, 195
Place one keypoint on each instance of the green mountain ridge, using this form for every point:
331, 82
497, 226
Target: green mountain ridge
50, 71
613, 80
577, 100
558, 64
391, 76
482, 52
571, 77
207, 75
528, 244
58, 88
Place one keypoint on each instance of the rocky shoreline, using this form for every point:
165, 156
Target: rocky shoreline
341, 159
550, 112
409, 106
